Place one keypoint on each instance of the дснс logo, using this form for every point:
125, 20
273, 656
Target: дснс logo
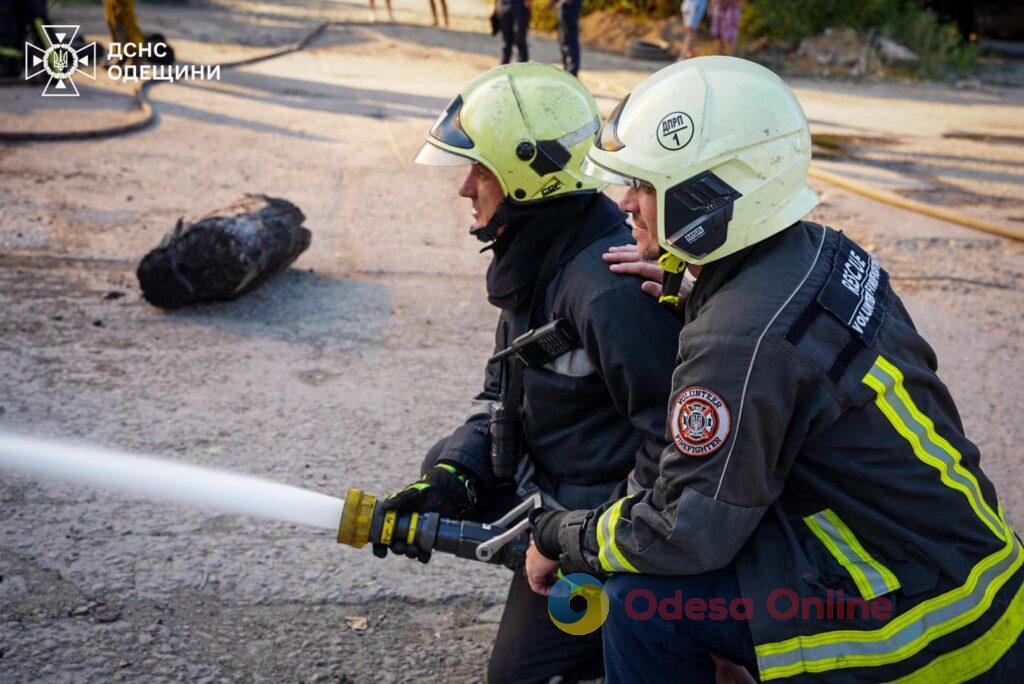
60, 61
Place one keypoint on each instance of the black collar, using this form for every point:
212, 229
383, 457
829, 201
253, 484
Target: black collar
532, 230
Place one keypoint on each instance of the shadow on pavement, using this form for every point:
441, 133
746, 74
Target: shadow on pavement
299, 93
301, 307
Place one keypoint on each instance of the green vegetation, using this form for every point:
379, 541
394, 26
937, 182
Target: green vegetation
544, 18
939, 46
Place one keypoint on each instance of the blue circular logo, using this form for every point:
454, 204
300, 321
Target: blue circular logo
569, 619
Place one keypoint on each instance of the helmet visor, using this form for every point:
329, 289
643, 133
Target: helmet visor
432, 155
448, 128
591, 168
608, 137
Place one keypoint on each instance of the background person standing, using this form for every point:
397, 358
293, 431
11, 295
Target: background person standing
391, 14
693, 13
725, 24
514, 23
569, 33
444, 11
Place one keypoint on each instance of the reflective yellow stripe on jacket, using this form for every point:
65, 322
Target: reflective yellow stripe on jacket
909, 633
871, 577
894, 401
609, 554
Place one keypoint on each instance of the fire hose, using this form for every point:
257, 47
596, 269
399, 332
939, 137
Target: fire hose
895, 200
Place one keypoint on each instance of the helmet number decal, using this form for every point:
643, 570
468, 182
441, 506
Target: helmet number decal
700, 422
675, 131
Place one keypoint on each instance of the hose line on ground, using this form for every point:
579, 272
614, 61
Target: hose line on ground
917, 207
140, 99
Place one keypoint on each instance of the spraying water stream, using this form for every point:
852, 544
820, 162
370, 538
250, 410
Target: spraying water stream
164, 480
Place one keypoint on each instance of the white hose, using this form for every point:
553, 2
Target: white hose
164, 480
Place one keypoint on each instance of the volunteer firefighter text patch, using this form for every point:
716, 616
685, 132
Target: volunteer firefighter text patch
700, 422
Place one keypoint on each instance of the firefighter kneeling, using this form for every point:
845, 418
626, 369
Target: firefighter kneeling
815, 450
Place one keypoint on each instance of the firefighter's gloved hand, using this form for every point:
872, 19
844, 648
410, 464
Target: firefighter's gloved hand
401, 548
447, 489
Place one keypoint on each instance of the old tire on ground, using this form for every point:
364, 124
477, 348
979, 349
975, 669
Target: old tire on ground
654, 51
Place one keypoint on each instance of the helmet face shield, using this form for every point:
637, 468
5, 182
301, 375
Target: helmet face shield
608, 138
448, 128
591, 168
432, 155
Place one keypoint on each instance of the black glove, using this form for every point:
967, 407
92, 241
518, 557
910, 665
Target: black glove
544, 529
447, 489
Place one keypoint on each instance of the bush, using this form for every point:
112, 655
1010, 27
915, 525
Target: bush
939, 46
790, 21
545, 19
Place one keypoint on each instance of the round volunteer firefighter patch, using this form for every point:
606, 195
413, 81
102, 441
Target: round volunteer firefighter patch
700, 422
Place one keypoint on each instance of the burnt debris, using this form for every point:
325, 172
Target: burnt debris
225, 254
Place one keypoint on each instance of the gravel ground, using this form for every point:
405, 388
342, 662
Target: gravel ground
343, 371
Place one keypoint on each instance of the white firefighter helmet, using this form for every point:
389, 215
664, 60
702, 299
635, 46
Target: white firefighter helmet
726, 146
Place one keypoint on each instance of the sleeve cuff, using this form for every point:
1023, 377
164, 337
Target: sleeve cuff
570, 541
546, 525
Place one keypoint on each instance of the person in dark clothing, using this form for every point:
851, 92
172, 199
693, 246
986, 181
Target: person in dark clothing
513, 18
21, 20
579, 425
819, 506
569, 34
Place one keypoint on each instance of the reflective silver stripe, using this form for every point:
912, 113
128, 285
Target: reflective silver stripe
871, 578
585, 131
952, 469
901, 638
753, 358
608, 552
608, 560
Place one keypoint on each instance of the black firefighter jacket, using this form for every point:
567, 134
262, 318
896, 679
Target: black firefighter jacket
594, 413
815, 449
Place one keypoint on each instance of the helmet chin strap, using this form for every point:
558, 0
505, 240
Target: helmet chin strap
673, 270
670, 263
488, 233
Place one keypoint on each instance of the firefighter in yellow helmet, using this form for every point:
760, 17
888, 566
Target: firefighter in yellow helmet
580, 405
819, 514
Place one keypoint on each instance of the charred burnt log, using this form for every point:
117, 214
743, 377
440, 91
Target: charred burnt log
225, 254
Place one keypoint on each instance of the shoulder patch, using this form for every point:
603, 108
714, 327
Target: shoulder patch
700, 422
855, 290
